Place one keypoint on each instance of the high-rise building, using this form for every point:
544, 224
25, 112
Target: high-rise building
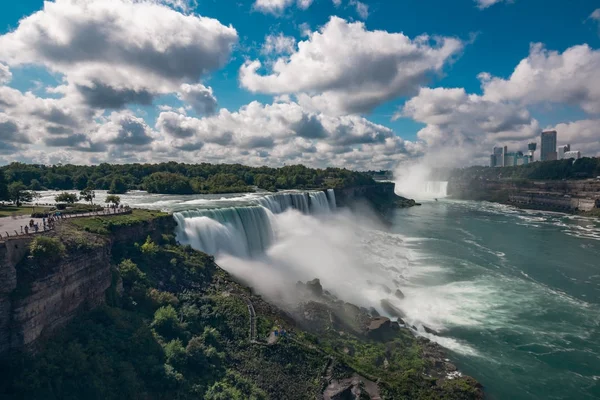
532, 147
499, 153
548, 146
572, 154
562, 150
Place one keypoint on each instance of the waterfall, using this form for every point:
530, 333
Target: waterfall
319, 203
436, 188
331, 199
246, 231
239, 231
280, 202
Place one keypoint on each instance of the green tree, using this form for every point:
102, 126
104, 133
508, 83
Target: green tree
35, 185
130, 273
88, 194
3, 187
117, 186
166, 322
113, 199
149, 247
168, 183
18, 193
66, 197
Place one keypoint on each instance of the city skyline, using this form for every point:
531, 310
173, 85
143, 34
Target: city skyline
549, 151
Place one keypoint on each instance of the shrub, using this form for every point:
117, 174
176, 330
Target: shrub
176, 355
160, 298
65, 197
149, 248
45, 249
166, 322
130, 273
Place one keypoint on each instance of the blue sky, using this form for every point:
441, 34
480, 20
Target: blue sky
443, 102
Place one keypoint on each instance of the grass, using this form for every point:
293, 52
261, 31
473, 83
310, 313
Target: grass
9, 211
107, 223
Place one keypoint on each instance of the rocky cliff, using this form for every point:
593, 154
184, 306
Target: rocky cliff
568, 196
381, 197
37, 299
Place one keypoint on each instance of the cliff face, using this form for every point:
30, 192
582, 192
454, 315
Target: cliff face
11, 252
34, 304
76, 284
381, 196
583, 195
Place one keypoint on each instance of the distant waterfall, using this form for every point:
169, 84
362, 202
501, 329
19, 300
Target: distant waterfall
240, 231
246, 231
436, 188
331, 199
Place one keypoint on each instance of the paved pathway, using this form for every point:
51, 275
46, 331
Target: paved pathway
12, 225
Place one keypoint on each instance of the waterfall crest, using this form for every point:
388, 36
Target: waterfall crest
246, 231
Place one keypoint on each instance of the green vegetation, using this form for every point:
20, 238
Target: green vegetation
584, 168
113, 199
46, 250
178, 178
64, 197
117, 186
18, 193
108, 223
179, 330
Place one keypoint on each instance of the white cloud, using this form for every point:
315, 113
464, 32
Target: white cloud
361, 8
571, 77
279, 44
275, 7
337, 3
304, 4
199, 97
481, 4
468, 123
583, 135
352, 69
283, 133
5, 74
119, 52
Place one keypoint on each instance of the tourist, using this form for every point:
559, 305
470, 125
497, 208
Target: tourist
26, 230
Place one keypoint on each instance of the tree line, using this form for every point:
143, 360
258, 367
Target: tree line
584, 168
174, 178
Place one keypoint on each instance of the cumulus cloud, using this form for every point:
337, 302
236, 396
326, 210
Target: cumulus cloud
362, 9
278, 44
583, 135
119, 52
571, 77
272, 6
199, 97
5, 74
283, 133
469, 123
337, 3
348, 69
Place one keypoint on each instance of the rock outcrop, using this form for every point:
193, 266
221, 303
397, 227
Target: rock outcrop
35, 300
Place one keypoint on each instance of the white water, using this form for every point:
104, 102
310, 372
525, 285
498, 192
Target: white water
246, 231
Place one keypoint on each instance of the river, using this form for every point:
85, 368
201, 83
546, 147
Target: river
514, 295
